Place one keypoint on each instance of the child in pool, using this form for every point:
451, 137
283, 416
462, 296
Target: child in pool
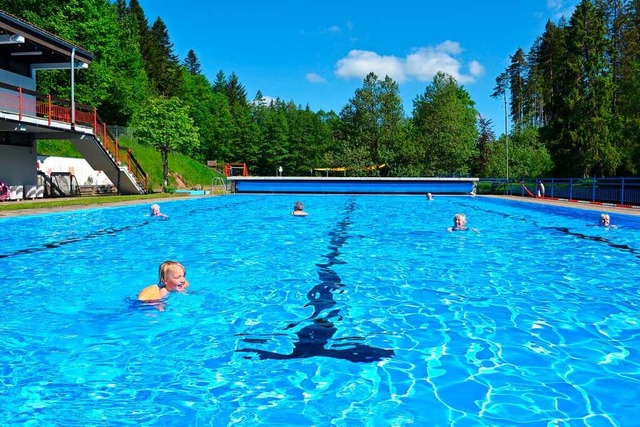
172, 279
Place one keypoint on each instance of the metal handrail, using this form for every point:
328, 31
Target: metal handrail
218, 181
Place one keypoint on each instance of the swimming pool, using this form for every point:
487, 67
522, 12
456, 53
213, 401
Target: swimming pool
366, 312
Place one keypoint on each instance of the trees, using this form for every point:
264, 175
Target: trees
192, 63
165, 124
160, 60
372, 127
585, 138
445, 126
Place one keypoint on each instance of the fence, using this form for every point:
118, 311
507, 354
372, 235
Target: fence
616, 191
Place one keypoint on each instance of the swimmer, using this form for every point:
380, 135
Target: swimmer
460, 223
298, 209
172, 279
155, 211
605, 221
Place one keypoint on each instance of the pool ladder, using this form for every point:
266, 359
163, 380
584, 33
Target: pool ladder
218, 183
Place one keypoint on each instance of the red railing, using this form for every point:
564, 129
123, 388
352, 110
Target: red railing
29, 103
230, 167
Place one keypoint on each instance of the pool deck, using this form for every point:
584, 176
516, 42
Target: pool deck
545, 201
573, 204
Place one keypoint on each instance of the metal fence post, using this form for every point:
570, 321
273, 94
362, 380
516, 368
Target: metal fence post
570, 188
593, 190
622, 191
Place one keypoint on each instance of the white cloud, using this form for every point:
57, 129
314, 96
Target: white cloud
265, 101
315, 78
422, 64
449, 46
562, 8
359, 63
425, 62
476, 69
334, 29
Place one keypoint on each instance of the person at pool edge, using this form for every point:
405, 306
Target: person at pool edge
605, 221
460, 223
172, 279
155, 211
298, 209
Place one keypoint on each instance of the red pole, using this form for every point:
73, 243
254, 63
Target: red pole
50, 108
19, 103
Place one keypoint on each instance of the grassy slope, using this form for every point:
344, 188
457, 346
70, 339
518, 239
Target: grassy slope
182, 169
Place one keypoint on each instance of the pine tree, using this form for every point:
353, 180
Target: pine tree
162, 63
517, 74
192, 63
235, 91
586, 138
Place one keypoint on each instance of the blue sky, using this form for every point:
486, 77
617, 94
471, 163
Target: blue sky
317, 53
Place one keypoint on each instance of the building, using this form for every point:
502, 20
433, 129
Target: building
27, 116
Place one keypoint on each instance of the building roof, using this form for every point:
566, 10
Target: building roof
23, 42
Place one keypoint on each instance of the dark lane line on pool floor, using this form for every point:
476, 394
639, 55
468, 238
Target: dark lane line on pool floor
313, 339
53, 245
565, 230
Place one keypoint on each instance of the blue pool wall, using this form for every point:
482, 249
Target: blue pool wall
319, 185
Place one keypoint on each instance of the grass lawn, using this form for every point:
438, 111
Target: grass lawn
84, 201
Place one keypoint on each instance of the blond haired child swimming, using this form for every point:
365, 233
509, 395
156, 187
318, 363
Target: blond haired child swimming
172, 279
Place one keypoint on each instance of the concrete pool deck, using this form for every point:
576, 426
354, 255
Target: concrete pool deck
573, 204
546, 201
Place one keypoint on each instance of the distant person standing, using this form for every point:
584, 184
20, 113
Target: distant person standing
540, 189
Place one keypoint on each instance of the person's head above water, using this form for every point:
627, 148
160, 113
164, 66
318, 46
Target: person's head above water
155, 210
298, 209
605, 221
459, 221
172, 276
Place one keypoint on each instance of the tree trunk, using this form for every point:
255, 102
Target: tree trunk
165, 168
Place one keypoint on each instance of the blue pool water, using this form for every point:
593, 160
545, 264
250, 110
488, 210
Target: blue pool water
367, 312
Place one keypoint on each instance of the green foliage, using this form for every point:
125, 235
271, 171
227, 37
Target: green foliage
528, 157
445, 127
181, 167
165, 124
373, 126
579, 83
